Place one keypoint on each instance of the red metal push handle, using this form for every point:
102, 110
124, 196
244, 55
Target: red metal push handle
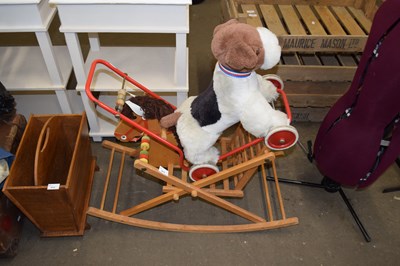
285, 104
123, 117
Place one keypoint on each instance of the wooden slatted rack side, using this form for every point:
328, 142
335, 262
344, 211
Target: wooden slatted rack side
233, 186
240, 138
124, 151
238, 182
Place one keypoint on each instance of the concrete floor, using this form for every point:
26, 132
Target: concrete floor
326, 234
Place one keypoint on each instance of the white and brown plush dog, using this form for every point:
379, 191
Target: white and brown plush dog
237, 93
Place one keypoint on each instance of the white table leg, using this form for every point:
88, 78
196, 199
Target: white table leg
53, 68
91, 115
94, 41
64, 101
75, 51
181, 71
74, 48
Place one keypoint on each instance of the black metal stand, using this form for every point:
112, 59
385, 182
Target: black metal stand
330, 186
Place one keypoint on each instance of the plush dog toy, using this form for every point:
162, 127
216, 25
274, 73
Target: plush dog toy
237, 93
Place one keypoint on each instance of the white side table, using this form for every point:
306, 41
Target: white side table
161, 69
32, 69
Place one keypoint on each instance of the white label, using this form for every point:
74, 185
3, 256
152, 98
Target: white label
163, 171
4, 171
53, 186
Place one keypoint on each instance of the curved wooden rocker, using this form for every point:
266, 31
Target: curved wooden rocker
237, 171
242, 157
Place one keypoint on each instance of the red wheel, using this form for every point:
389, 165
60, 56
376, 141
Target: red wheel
198, 172
281, 138
275, 79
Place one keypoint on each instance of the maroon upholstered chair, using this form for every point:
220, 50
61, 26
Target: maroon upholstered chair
360, 136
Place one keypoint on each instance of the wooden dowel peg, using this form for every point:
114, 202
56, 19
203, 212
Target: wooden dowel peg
194, 193
175, 197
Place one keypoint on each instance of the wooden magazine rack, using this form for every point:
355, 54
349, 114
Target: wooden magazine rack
51, 178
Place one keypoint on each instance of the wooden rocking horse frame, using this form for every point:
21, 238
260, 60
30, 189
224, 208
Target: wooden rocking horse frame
242, 157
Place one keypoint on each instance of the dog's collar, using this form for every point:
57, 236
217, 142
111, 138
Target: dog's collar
233, 73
